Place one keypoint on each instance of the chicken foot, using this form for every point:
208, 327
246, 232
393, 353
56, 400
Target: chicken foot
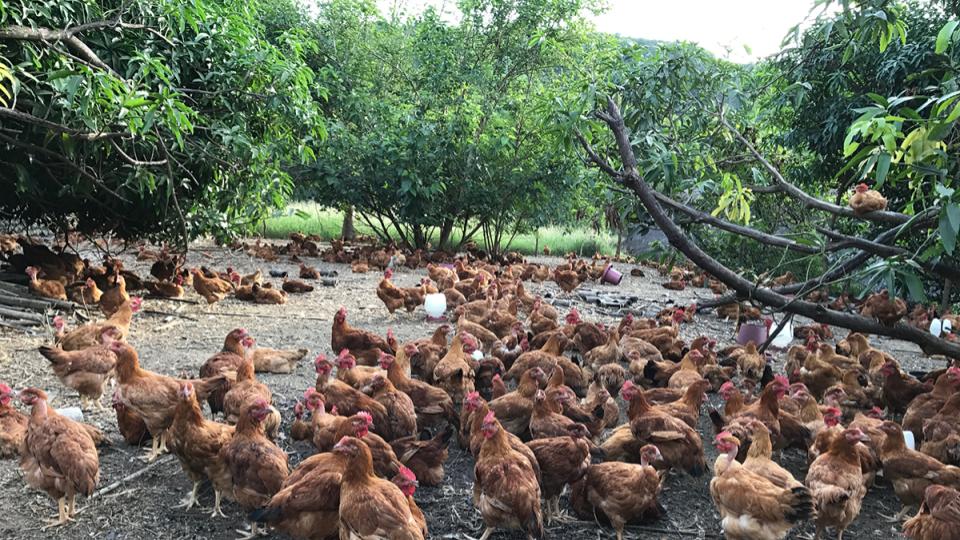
191, 499
556, 514
486, 533
63, 516
158, 445
252, 533
898, 517
216, 504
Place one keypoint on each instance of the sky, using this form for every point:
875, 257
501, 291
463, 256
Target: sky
727, 28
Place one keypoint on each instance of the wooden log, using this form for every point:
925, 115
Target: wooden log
12, 289
17, 314
17, 301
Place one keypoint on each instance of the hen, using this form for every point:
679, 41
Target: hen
836, 483
47, 288
57, 455
243, 392
432, 405
13, 425
131, 427
257, 466
910, 471
85, 370
371, 507
401, 412
882, 308
938, 517
348, 400
621, 492
357, 341
424, 458
197, 442
112, 299
506, 489
563, 460
307, 505
752, 507
866, 200
514, 409
152, 396
89, 335
212, 289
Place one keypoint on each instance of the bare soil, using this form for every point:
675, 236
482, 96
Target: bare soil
175, 338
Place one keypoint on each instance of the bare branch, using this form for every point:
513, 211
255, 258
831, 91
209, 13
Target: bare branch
594, 157
137, 162
59, 128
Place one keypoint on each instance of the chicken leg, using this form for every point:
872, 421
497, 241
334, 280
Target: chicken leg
191, 499
486, 533
252, 533
216, 505
63, 516
155, 451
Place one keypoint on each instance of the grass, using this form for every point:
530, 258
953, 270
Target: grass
327, 223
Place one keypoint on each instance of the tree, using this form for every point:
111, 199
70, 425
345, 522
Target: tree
152, 118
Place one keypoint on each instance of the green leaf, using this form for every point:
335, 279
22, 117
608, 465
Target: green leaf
883, 167
914, 286
948, 234
953, 215
943, 37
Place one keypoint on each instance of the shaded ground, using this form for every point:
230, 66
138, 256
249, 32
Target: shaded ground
142, 507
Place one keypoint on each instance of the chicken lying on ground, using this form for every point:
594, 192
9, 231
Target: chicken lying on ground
938, 517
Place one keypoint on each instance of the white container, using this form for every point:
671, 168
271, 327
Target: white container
783, 339
477, 355
73, 413
909, 440
435, 304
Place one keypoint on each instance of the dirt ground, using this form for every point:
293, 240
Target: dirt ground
175, 338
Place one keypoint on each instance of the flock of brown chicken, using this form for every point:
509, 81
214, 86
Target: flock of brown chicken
528, 391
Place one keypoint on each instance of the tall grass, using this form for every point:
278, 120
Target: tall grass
327, 224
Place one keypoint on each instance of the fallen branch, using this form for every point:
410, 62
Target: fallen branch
132, 476
632, 179
22, 315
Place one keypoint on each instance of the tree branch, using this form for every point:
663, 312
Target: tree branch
46, 35
59, 128
679, 240
809, 201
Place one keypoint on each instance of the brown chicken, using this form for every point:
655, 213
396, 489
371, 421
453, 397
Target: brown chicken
47, 288
256, 465
433, 406
295, 286
132, 428
938, 517
386, 464
268, 295
620, 492
547, 419
371, 507
866, 200
514, 409
359, 342
307, 505
407, 481
506, 488
751, 362
57, 455
112, 299
941, 433
13, 424
899, 389
837, 484
348, 400
87, 370
750, 505
680, 444
152, 396
401, 412
454, 372
393, 297
86, 292
89, 335
212, 289
925, 406
910, 471
244, 391
197, 443
424, 458
567, 280
881, 307
227, 361
563, 460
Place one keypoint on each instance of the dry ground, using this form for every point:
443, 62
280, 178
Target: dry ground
142, 507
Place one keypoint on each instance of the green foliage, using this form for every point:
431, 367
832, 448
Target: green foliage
161, 118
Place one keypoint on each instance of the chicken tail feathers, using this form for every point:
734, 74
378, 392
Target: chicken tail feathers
534, 525
717, 420
800, 505
52, 354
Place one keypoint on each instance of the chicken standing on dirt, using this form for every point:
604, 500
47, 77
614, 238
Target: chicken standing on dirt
752, 507
563, 460
911, 471
836, 483
308, 503
371, 507
433, 406
197, 442
348, 400
257, 466
152, 396
57, 456
505, 489
89, 334
87, 370
244, 391
622, 492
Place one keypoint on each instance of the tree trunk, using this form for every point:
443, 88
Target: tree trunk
446, 229
348, 232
